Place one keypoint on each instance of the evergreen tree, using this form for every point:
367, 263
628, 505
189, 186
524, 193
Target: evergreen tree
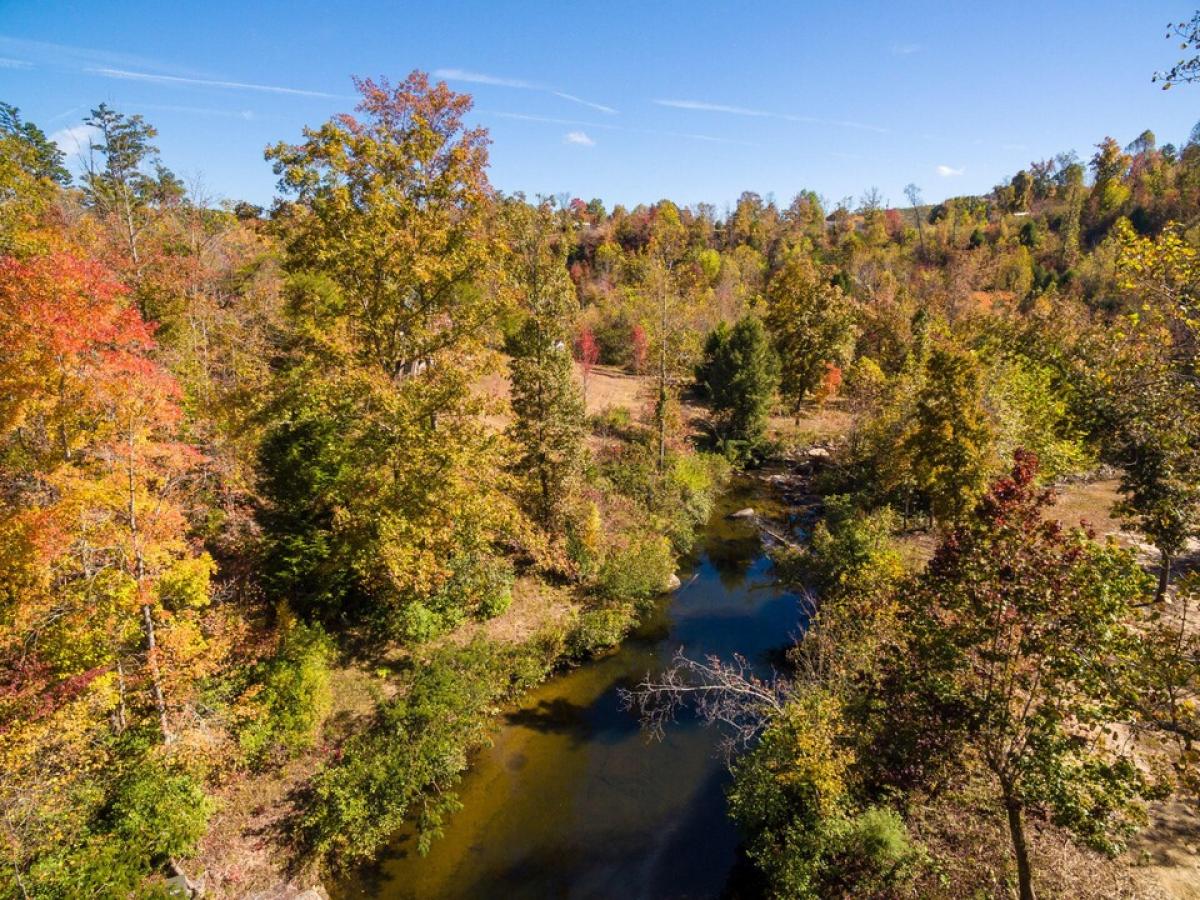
41, 157
949, 446
545, 397
740, 373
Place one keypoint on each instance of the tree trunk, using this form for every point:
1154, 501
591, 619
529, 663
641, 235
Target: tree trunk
155, 676
662, 381
1164, 576
147, 616
120, 697
1016, 828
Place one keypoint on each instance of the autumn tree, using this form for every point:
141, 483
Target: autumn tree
949, 443
1109, 190
811, 322
1021, 633
42, 157
545, 398
587, 354
1147, 402
1072, 177
124, 181
382, 475
913, 193
106, 601
30, 172
667, 291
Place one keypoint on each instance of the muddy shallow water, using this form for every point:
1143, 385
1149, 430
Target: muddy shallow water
572, 800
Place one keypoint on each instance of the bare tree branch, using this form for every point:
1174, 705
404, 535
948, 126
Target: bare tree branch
727, 694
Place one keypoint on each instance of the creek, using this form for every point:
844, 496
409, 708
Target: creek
573, 800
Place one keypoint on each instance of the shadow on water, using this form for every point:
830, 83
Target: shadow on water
573, 800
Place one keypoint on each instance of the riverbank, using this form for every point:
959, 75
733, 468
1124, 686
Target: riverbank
571, 796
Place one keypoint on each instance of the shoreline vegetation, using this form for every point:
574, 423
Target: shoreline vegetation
294, 501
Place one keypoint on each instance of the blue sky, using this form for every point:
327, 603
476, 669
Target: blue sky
629, 102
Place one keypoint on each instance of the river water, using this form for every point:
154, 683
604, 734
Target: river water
573, 800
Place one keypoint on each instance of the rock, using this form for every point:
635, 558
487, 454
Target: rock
818, 453
747, 513
673, 583
291, 891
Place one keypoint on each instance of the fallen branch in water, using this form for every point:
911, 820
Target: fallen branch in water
726, 694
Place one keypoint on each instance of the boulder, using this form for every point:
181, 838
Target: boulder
673, 583
747, 513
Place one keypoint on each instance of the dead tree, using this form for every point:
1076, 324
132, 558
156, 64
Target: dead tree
727, 694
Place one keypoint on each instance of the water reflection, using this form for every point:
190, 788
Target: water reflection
572, 800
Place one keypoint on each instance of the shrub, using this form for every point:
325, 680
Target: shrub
404, 768
479, 585
791, 796
599, 629
686, 500
160, 812
638, 570
293, 697
585, 539
851, 551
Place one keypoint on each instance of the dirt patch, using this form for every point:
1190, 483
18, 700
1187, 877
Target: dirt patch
535, 606
1091, 503
822, 424
1167, 852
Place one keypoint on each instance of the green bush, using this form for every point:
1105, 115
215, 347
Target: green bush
792, 797
155, 812
161, 811
612, 420
294, 696
691, 487
599, 629
479, 585
637, 570
404, 768
851, 550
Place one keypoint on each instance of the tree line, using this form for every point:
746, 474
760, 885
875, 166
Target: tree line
246, 453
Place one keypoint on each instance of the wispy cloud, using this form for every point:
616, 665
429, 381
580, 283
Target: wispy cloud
599, 107
126, 75
578, 137
609, 126
246, 115
551, 120
6, 63
69, 56
949, 171
906, 49
706, 106
707, 138
470, 77
75, 139
481, 78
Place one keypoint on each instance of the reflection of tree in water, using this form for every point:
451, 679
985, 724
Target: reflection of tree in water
732, 558
688, 854
556, 716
